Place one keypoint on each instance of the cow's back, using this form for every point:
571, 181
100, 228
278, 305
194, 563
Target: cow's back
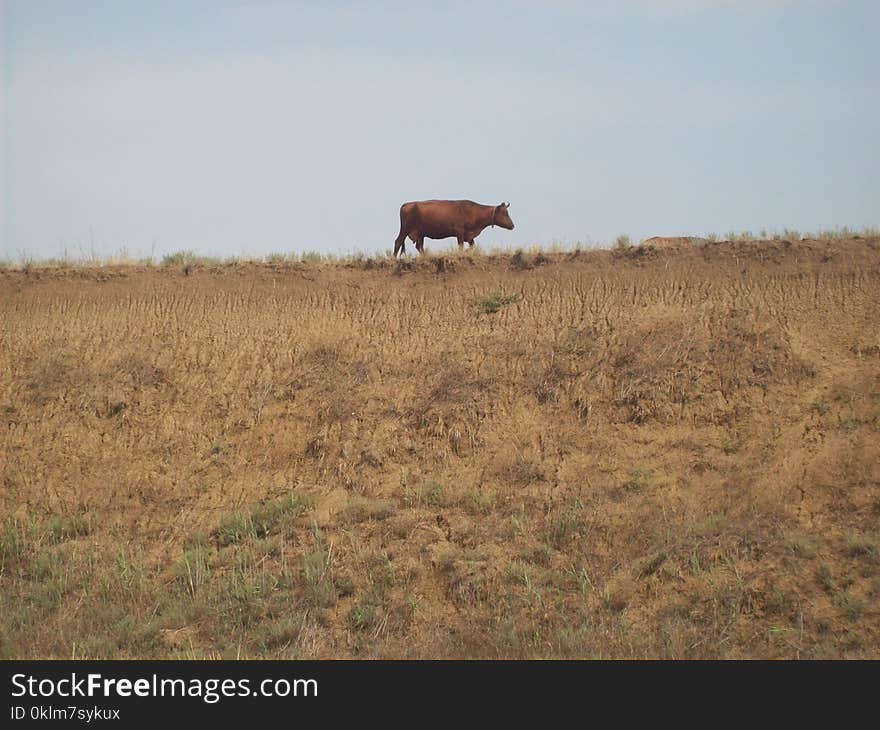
443, 208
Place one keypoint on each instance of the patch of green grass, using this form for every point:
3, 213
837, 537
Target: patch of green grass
740, 236
276, 517
564, 524
849, 424
381, 574
180, 258
479, 502
53, 574
283, 630
860, 545
825, 576
370, 613
427, 494
638, 480
21, 538
520, 573
61, 528
851, 605
15, 541
187, 259
819, 407
730, 447
363, 617
491, 303
243, 595
712, 523
192, 571
130, 577
321, 589
777, 601
801, 544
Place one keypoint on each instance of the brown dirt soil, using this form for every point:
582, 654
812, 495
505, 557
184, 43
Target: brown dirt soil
638, 453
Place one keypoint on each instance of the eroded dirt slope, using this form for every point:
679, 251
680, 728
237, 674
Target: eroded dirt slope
652, 453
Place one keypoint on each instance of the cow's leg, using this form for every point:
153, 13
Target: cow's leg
420, 244
400, 244
471, 242
461, 240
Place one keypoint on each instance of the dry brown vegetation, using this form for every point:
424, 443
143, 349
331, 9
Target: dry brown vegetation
629, 453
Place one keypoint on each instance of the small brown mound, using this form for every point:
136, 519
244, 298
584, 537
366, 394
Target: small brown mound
672, 241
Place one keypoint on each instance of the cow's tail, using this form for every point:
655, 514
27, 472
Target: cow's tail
400, 241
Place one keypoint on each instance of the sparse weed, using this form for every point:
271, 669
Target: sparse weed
363, 617
320, 587
802, 545
261, 520
427, 494
519, 261
638, 480
712, 523
492, 303
564, 524
860, 544
480, 502
819, 407
851, 605
192, 570
181, 258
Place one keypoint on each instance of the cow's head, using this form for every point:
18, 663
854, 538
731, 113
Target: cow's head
502, 217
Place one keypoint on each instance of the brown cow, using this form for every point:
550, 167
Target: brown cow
463, 219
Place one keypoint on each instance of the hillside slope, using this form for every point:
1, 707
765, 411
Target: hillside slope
643, 453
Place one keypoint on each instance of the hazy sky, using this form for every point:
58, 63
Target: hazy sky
243, 128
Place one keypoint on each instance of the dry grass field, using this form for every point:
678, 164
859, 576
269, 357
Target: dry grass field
669, 453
